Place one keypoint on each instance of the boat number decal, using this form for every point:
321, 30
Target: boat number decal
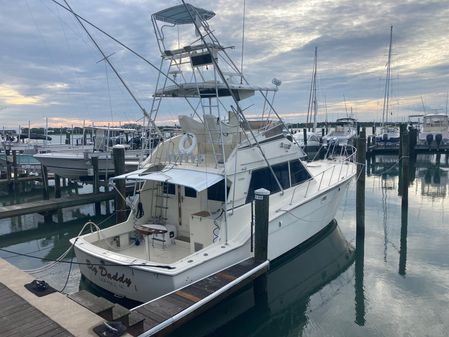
111, 278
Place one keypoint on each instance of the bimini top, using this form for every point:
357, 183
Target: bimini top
182, 14
198, 180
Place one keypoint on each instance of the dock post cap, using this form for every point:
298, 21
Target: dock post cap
262, 192
118, 146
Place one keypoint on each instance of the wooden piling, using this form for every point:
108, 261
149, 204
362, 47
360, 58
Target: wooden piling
404, 157
8, 167
305, 136
360, 190
413, 139
360, 309
57, 186
44, 171
67, 138
261, 197
96, 183
15, 167
118, 153
261, 200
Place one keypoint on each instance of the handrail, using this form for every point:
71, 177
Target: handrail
347, 159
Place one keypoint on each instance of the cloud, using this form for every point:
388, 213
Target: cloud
50, 61
11, 96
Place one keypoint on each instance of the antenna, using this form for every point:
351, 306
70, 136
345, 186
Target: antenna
387, 83
423, 107
243, 39
447, 98
346, 108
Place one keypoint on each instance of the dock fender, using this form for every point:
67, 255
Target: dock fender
184, 147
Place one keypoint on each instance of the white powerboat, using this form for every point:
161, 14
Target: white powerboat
192, 216
343, 134
77, 164
434, 129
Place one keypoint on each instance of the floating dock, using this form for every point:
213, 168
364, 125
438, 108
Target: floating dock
166, 313
54, 204
42, 206
22, 313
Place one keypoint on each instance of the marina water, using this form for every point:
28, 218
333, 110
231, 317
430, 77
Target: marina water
395, 283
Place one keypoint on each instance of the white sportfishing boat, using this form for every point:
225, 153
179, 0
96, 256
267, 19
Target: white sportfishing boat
192, 215
343, 134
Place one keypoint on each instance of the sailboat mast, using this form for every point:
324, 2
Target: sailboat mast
387, 82
314, 102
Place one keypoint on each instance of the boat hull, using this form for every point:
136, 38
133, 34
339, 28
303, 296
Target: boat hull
78, 166
287, 230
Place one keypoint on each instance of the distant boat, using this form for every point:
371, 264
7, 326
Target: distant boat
77, 164
434, 130
343, 134
388, 134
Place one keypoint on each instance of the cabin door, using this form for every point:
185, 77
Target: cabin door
189, 204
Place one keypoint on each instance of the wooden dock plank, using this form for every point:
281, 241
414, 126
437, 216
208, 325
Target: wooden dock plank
160, 313
187, 296
19, 318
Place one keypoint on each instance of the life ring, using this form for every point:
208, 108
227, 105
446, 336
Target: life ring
185, 139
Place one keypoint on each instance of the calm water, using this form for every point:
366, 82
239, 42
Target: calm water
396, 283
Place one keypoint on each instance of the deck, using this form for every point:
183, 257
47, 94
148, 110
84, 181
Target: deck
167, 313
22, 313
19, 318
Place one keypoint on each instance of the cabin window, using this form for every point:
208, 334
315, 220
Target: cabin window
298, 172
189, 192
263, 178
216, 192
168, 188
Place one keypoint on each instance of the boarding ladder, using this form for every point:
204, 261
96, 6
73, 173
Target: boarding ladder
160, 202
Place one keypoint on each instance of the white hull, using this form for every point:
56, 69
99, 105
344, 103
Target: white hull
288, 228
75, 165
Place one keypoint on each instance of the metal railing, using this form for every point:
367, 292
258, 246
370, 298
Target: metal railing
343, 160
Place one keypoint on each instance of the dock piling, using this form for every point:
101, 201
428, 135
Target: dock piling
262, 206
96, 183
360, 190
261, 197
118, 153
44, 171
57, 186
15, 167
8, 167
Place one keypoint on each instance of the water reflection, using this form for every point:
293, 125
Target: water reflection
290, 284
429, 172
43, 239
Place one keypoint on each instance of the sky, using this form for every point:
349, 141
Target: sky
49, 69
